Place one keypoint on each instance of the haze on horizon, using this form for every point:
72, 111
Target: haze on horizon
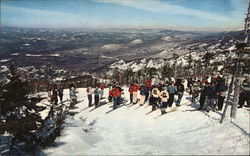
200, 15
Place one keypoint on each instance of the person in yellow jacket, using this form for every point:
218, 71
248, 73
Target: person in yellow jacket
164, 98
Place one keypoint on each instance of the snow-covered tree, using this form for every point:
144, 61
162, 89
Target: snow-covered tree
19, 116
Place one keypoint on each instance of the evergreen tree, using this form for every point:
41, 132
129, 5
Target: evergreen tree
19, 115
167, 71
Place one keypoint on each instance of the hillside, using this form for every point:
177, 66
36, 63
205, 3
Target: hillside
131, 130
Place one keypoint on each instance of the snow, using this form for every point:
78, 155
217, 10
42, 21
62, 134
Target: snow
54, 55
232, 48
128, 130
26, 44
34, 55
14, 54
111, 46
4, 60
3, 69
167, 38
137, 41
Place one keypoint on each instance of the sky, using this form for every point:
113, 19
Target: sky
201, 15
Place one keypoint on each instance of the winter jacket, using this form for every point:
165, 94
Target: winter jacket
60, 91
171, 89
148, 83
72, 91
89, 91
102, 87
54, 93
130, 90
162, 87
180, 87
164, 96
155, 93
211, 92
222, 90
196, 87
97, 92
143, 90
115, 92
135, 87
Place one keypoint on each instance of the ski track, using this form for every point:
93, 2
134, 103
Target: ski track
128, 130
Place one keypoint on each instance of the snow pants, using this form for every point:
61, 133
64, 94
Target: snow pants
97, 99
220, 102
61, 97
110, 98
202, 101
195, 94
115, 102
171, 99
210, 105
134, 97
244, 97
90, 100
180, 95
154, 102
142, 99
131, 98
147, 94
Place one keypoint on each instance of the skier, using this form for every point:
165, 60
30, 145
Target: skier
148, 84
180, 90
120, 95
154, 98
90, 93
72, 85
244, 94
115, 93
135, 89
143, 92
97, 96
72, 95
212, 97
195, 90
49, 89
101, 91
60, 92
203, 95
204, 80
164, 98
110, 95
130, 90
54, 96
161, 88
189, 85
171, 90
222, 91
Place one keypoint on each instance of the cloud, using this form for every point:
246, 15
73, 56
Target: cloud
47, 13
158, 6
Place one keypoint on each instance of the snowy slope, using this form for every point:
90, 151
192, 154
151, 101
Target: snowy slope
129, 130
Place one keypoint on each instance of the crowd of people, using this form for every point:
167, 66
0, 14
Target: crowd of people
209, 92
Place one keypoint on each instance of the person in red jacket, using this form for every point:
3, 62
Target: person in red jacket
102, 90
130, 90
148, 84
135, 89
115, 93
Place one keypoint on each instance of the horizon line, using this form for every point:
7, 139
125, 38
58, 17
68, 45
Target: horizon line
123, 28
